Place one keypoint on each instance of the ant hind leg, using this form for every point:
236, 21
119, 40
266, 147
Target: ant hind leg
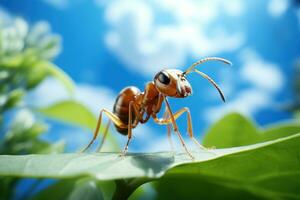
115, 119
104, 136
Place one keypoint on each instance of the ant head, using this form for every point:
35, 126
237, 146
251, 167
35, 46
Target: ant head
172, 83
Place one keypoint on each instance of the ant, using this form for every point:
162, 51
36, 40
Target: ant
133, 106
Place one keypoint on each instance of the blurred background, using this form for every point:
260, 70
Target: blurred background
106, 45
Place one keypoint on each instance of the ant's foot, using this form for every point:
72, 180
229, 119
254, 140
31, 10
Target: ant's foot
82, 150
123, 154
190, 155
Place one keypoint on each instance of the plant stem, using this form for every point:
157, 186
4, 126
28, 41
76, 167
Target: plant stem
124, 188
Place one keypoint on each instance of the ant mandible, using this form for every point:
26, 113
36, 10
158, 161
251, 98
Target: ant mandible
133, 106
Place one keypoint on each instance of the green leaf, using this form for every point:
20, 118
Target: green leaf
82, 188
7, 185
265, 170
279, 130
46, 148
86, 189
233, 130
196, 186
75, 113
271, 172
71, 112
24, 126
57, 73
61, 76
14, 61
59, 190
14, 97
35, 76
236, 130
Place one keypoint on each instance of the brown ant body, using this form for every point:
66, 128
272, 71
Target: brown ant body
133, 106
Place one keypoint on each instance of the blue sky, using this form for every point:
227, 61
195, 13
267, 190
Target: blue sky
108, 45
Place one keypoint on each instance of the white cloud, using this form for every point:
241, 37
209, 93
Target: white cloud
261, 74
277, 8
51, 91
226, 83
4, 16
145, 43
162, 143
262, 79
233, 7
246, 102
95, 98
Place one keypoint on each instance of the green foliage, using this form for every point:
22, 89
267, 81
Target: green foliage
263, 170
71, 112
269, 172
75, 113
25, 61
85, 188
23, 137
235, 130
25, 55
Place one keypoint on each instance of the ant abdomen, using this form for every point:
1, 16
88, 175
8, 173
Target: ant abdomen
121, 106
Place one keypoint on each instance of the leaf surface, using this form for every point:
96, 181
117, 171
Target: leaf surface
268, 170
248, 162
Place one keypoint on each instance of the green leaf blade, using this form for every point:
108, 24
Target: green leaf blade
54, 71
110, 166
71, 112
231, 131
75, 113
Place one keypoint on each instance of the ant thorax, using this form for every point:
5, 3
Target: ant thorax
151, 98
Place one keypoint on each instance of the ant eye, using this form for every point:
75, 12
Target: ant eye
163, 78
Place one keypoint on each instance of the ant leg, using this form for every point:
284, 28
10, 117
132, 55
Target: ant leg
190, 126
130, 126
104, 136
166, 116
175, 127
95, 132
112, 117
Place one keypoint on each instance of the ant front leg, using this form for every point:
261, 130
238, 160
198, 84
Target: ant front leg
189, 125
175, 127
166, 116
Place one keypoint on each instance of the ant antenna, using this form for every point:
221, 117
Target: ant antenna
190, 69
212, 82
